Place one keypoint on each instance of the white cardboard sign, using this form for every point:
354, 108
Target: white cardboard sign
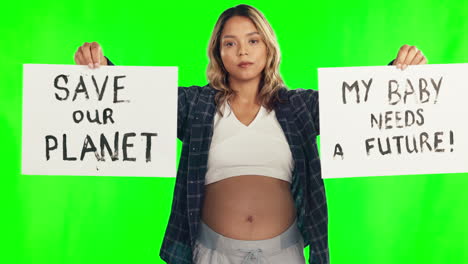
110, 121
377, 121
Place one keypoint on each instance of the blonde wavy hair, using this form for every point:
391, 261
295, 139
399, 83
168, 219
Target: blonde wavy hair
271, 81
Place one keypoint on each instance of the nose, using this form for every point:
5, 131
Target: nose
243, 50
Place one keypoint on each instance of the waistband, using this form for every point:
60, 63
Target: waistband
213, 240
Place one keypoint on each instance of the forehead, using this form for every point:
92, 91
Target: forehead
238, 26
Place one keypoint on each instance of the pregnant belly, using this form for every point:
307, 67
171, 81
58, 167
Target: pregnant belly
249, 207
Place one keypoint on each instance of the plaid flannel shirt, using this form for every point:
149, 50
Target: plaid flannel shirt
299, 119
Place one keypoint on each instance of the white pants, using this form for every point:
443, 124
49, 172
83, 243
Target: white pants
211, 248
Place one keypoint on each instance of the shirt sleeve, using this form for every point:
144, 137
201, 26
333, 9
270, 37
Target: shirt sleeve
311, 100
182, 112
109, 63
187, 99
314, 109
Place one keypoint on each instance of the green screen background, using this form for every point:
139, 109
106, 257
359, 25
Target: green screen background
78, 219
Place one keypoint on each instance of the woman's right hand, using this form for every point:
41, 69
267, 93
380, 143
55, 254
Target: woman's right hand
90, 54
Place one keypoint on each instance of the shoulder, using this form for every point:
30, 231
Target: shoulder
293, 95
192, 93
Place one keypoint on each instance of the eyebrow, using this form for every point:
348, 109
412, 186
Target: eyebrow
249, 34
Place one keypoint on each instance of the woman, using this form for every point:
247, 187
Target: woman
248, 186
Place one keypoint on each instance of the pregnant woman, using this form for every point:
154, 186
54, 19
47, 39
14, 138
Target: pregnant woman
248, 187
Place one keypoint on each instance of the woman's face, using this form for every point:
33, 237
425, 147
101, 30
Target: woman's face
242, 50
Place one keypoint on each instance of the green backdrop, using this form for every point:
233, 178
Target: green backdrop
78, 219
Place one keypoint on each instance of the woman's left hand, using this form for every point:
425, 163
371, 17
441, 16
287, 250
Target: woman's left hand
409, 55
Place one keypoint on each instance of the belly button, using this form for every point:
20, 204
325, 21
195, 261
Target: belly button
250, 218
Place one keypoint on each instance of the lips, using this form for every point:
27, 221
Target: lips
244, 64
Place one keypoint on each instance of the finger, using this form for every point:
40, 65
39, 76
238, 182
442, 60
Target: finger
75, 57
86, 52
79, 57
409, 56
423, 61
401, 55
82, 59
417, 58
96, 54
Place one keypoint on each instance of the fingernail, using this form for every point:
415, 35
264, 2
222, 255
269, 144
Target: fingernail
96, 64
90, 65
398, 66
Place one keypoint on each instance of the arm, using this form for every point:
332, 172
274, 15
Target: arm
311, 98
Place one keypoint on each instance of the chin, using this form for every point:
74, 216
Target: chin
246, 77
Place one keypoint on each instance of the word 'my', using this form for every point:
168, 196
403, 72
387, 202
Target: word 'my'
355, 86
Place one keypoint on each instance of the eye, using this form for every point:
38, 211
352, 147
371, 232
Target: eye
254, 41
228, 43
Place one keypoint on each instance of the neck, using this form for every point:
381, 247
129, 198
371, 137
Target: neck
246, 91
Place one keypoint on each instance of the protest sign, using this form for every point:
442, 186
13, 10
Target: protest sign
110, 121
377, 121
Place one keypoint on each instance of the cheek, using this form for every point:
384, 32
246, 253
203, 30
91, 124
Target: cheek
262, 56
226, 58
262, 61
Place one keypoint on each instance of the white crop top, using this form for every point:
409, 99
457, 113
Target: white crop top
260, 148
